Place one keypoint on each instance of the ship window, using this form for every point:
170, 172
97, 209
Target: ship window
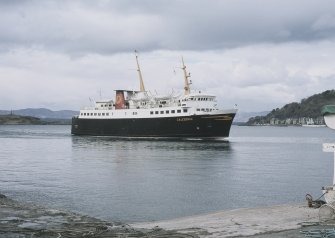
99, 114
167, 112
134, 113
151, 112
173, 111
198, 99
107, 114
178, 111
101, 105
162, 112
198, 109
184, 110
103, 114
95, 114
156, 112
202, 109
84, 114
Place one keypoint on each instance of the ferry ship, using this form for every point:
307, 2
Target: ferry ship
193, 114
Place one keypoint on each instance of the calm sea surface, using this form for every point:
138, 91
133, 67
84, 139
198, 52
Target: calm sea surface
143, 180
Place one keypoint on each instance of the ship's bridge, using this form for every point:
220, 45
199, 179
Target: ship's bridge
104, 104
198, 100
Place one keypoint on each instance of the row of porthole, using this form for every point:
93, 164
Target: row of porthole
199, 99
167, 112
205, 109
94, 114
135, 113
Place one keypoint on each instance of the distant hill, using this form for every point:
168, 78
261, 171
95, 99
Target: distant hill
42, 113
308, 111
13, 119
244, 116
19, 120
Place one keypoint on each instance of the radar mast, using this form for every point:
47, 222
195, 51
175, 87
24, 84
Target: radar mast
186, 76
142, 89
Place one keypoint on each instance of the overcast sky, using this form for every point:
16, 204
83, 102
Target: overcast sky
258, 54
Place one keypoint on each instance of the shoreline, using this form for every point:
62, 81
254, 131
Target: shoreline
244, 222
23, 220
27, 220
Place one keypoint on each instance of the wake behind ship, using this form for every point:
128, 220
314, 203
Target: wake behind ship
140, 114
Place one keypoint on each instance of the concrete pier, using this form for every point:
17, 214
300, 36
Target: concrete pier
243, 222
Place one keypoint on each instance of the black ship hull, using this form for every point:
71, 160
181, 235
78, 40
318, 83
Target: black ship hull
186, 126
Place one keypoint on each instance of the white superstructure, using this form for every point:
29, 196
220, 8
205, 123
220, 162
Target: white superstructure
141, 104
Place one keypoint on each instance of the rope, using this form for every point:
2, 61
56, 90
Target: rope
314, 203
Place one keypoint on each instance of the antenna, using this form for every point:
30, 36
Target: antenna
186, 76
142, 89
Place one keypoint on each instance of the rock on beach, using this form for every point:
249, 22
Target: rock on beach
27, 220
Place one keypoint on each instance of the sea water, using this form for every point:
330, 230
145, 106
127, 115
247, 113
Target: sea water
132, 180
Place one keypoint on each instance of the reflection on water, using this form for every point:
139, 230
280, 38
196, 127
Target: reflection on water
151, 143
151, 179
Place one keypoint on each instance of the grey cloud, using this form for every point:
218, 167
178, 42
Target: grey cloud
107, 27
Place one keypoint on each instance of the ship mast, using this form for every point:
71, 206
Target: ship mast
186, 76
142, 89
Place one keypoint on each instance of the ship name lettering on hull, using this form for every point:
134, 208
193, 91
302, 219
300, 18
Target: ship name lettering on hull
184, 119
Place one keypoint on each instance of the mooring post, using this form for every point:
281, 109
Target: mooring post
329, 147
